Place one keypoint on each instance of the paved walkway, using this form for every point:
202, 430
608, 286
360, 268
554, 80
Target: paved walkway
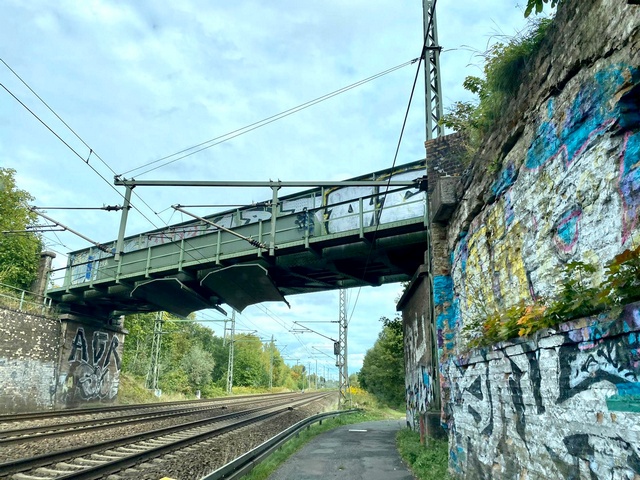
363, 451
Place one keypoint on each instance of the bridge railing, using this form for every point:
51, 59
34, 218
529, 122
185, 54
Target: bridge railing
23, 300
301, 220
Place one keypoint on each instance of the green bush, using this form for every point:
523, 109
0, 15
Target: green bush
429, 461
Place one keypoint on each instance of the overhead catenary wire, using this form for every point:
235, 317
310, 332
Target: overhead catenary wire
395, 156
253, 126
91, 151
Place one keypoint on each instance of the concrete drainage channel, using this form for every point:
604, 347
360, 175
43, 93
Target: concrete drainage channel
247, 462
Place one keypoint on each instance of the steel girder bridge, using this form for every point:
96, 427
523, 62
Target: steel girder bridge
366, 231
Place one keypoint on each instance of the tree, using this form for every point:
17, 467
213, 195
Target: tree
198, 365
19, 252
382, 372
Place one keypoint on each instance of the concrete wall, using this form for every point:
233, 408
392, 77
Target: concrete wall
50, 363
566, 402
29, 346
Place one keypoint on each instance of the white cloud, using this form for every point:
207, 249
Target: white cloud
140, 80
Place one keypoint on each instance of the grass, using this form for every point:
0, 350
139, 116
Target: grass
428, 462
372, 410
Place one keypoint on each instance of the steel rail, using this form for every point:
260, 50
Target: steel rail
21, 435
31, 463
13, 417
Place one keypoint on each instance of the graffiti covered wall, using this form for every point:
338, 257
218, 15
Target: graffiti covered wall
563, 404
560, 405
90, 363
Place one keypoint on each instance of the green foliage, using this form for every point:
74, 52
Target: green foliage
538, 5
19, 252
193, 358
428, 462
505, 67
382, 372
577, 296
197, 364
622, 284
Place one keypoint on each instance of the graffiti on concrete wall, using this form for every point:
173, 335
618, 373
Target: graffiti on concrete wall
94, 365
517, 408
571, 193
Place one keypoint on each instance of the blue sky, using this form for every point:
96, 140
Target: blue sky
141, 80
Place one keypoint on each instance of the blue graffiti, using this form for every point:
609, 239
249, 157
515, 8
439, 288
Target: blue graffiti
566, 235
442, 289
507, 178
629, 183
631, 388
588, 116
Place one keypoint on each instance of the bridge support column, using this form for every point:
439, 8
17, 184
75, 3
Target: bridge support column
90, 358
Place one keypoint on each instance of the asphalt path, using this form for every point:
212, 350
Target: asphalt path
362, 451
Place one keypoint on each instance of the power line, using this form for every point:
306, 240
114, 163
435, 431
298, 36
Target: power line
395, 157
261, 123
58, 116
74, 151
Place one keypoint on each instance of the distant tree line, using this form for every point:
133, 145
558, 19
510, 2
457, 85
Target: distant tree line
192, 357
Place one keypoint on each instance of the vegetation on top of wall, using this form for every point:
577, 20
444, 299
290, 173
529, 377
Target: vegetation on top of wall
578, 296
505, 66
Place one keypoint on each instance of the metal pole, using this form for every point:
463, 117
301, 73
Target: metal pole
126, 206
271, 365
342, 353
274, 215
231, 345
154, 367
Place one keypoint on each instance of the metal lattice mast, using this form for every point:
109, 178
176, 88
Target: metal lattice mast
156, 344
431, 53
231, 346
271, 364
342, 349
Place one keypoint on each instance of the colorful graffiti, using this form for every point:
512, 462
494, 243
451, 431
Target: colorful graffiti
571, 194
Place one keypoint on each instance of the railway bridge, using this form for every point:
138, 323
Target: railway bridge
366, 231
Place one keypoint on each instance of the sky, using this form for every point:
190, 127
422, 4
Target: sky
140, 80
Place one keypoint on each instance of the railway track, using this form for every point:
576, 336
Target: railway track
99, 459
75, 412
109, 420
